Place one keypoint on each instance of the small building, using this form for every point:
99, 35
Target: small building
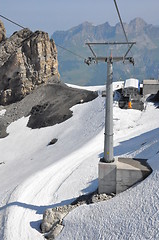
131, 87
130, 96
132, 82
150, 86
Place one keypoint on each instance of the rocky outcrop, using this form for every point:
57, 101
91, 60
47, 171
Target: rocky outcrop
2, 32
52, 223
27, 60
47, 105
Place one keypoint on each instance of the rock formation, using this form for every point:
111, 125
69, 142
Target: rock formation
2, 32
27, 60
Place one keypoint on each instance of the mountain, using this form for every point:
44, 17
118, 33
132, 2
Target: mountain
146, 51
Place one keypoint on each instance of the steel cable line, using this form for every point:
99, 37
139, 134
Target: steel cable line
122, 25
77, 55
12, 21
121, 22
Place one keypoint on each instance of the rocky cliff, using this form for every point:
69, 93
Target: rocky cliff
27, 59
29, 79
2, 31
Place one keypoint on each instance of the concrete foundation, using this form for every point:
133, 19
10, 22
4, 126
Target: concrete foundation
107, 177
123, 173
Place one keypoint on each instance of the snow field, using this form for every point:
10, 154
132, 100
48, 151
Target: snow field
32, 157
37, 176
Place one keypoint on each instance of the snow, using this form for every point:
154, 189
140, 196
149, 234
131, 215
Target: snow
116, 86
2, 112
36, 176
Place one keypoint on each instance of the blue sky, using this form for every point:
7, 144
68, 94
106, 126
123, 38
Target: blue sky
52, 15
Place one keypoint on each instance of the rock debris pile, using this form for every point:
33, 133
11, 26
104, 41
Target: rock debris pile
52, 223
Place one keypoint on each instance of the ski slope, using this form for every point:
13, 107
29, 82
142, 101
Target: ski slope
36, 176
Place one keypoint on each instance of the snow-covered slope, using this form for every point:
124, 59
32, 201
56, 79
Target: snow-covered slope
35, 176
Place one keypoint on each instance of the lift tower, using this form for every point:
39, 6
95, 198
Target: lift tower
108, 140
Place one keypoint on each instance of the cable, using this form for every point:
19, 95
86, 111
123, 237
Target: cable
77, 55
121, 22
12, 21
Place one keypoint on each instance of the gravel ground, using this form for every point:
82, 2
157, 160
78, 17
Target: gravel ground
47, 105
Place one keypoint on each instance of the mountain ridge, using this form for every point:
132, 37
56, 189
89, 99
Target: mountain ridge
145, 52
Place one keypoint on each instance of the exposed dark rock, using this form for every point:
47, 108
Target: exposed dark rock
154, 98
3, 126
53, 141
59, 99
47, 105
2, 163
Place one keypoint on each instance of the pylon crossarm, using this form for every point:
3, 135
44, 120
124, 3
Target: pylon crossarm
90, 60
109, 43
115, 59
123, 58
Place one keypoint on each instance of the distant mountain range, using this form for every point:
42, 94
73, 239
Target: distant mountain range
146, 52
